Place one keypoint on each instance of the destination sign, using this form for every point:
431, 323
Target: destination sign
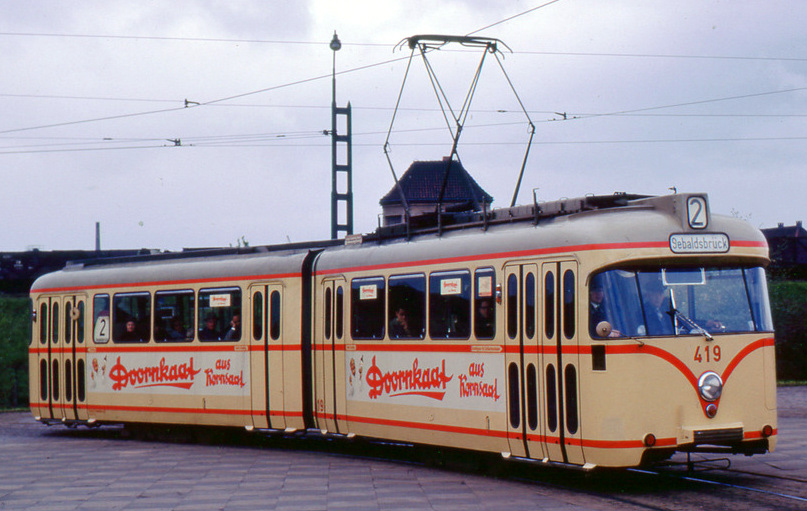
699, 243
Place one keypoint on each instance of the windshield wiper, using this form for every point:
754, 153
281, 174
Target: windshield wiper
676, 314
690, 323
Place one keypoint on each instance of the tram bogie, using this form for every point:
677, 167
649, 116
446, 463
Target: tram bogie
603, 331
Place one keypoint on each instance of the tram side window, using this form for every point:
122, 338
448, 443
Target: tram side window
80, 324
328, 313
450, 304
220, 314
131, 317
173, 316
367, 297
485, 304
512, 306
55, 322
407, 306
757, 286
100, 319
568, 304
257, 315
68, 312
43, 323
549, 305
340, 312
274, 309
32, 308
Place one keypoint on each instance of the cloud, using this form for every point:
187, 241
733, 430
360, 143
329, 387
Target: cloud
258, 166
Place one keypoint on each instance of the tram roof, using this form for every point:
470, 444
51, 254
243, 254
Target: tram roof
575, 222
185, 267
567, 225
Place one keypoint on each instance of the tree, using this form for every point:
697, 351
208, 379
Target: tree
14, 337
789, 305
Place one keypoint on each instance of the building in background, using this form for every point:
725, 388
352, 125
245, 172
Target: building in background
421, 185
788, 251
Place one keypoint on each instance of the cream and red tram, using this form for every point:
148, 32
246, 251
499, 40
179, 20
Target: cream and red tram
601, 331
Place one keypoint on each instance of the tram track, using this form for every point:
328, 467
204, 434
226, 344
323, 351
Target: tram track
663, 488
669, 491
714, 482
672, 489
769, 476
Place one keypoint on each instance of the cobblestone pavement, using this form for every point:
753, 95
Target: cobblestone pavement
55, 469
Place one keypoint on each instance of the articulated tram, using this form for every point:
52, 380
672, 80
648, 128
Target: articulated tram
598, 331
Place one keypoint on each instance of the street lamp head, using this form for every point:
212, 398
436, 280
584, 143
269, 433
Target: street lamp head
336, 44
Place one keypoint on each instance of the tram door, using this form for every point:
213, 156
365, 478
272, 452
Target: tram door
522, 359
55, 360
44, 349
74, 359
266, 356
329, 362
560, 362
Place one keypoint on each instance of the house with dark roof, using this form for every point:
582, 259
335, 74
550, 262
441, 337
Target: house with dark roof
421, 185
788, 247
18, 270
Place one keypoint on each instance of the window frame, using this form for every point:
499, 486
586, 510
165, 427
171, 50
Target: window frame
96, 315
224, 319
378, 309
189, 327
142, 323
464, 325
417, 305
489, 296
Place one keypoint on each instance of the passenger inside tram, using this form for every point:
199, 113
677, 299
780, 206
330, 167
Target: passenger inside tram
209, 332
234, 333
485, 319
178, 332
399, 326
130, 334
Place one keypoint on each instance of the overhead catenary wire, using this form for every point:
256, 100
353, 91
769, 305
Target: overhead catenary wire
291, 139
290, 145
200, 104
389, 44
226, 101
220, 101
528, 11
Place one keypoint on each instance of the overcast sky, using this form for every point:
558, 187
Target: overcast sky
701, 95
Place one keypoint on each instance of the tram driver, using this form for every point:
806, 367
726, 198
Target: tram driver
596, 310
657, 309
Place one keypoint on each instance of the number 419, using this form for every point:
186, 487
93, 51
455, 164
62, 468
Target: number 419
710, 355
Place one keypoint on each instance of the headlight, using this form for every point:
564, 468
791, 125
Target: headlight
710, 386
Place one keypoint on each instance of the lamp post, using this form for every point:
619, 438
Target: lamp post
336, 45
345, 197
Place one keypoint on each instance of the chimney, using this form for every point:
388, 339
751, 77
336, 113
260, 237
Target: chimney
97, 236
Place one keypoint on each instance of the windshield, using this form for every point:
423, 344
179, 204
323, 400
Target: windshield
679, 301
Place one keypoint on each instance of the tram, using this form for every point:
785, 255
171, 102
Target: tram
604, 331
